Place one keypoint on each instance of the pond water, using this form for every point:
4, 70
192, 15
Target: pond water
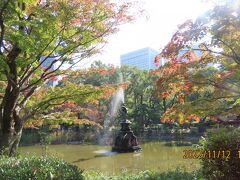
155, 156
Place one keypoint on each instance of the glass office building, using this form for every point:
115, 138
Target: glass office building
46, 64
142, 58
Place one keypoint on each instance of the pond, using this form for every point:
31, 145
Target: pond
155, 156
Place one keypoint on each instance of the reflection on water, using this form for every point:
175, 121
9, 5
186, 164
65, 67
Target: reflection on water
100, 153
104, 152
155, 156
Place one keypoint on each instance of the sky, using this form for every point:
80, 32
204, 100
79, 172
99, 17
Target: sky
155, 31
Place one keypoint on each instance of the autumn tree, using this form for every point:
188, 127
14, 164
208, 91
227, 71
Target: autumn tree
102, 76
98, 74
31, 32
202, 73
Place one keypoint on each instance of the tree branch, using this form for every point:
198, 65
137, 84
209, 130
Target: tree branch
2, 25
220, 53
47, 103
233, 51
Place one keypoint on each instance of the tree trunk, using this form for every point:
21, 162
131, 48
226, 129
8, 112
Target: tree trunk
164, 105
10, 141
11, 134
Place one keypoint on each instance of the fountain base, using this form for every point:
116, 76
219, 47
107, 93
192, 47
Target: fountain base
126, 141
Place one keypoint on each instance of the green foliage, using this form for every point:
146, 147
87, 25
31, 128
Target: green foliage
177, 174
227, 140
143, 104
98, 74
38, 168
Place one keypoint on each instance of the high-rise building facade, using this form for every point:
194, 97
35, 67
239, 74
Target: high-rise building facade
51, 66
142, 58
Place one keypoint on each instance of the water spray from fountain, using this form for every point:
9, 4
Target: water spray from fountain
115, 105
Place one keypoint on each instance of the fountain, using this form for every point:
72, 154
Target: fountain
115, 104
125, 141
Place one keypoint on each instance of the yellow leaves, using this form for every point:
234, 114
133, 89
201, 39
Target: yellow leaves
86, 122
54, 126
34, 123
180, 113
181, 118
217, 76
2, 84
195, 88
171, 85
169, 116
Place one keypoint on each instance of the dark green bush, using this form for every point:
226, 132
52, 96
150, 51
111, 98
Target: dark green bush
42, 168
221, 166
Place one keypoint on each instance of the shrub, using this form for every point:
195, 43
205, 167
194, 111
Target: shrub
38, 168
221, 167
145, 175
